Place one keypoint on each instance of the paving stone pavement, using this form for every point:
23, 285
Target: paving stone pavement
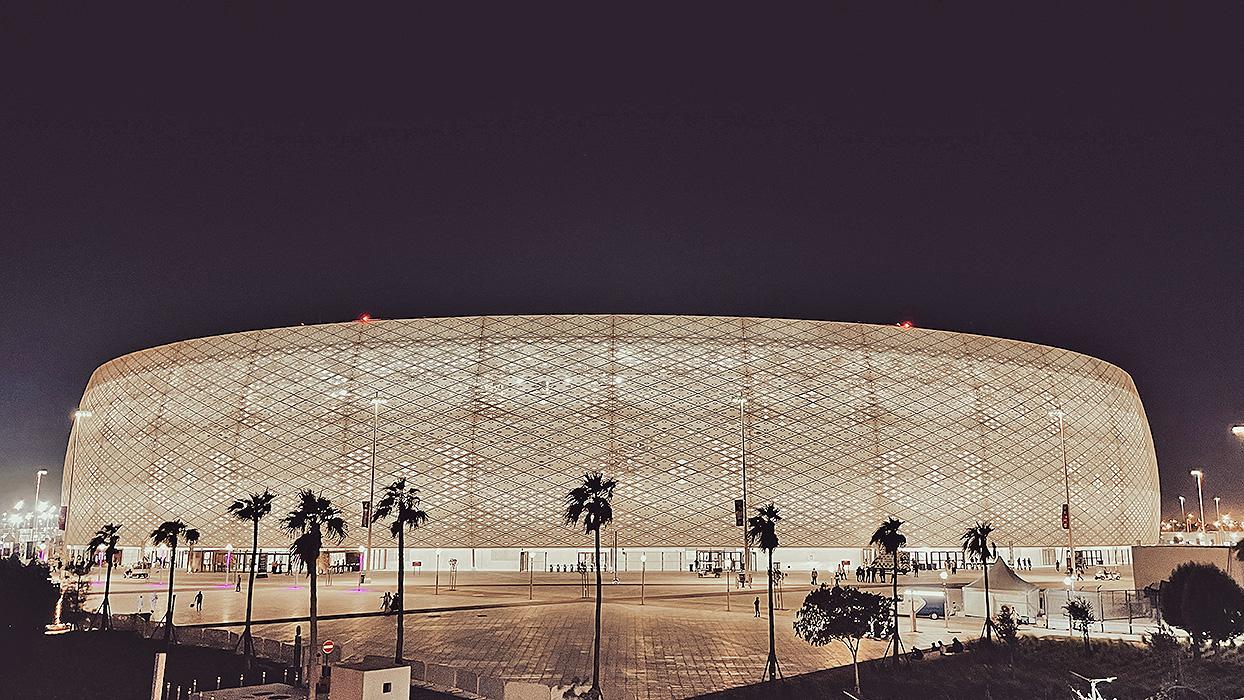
681, 643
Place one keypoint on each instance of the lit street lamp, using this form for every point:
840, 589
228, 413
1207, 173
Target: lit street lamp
945, 598
1217, 512
376, 403
1200, 477
1183, 513
747, 550
437, 589
1062, 439
643, 569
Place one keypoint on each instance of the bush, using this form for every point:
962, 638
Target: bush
1081, 613
27, 597
1204, 601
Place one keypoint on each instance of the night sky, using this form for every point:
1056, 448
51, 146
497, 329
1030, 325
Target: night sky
1070, 180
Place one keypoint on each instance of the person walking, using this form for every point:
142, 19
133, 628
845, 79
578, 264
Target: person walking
814, 578
756, 604
238, 588
155, 602
198, 601
142, 603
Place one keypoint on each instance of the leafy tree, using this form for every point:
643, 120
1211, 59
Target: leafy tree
314, 518
891, 540
1007, 626
762, 532
1166, 648
1205, 602
843, 614
105, 541
591, 505
1082, 617
400, 504
168, 533
252, 509
27, 598
977, 547
73, 596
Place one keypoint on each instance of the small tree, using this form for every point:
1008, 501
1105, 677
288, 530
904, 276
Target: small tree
1007, 627
1205, 602
105, 542
1081, 613
891, 540
27, 599
1165, 647
762, 532
843, 614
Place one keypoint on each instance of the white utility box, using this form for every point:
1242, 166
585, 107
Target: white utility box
370, 680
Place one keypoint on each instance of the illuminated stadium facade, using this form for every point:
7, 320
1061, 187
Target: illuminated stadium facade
495, 418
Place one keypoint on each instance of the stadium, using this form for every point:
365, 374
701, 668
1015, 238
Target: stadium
494, 418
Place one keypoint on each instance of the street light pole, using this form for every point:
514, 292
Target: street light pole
1200, 476
747, 550
371, 489
1183, 513
1062, 438
78, 415
1217, 512
643, 570
437, 589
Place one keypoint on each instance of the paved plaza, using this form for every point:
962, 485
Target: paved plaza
679, 643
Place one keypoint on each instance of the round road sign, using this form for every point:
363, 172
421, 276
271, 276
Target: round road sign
328, 647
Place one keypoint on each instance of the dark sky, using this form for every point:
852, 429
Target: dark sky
1065, 179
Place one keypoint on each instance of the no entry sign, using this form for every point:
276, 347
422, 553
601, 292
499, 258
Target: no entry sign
328, 647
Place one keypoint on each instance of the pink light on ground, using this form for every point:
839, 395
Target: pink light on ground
293, 588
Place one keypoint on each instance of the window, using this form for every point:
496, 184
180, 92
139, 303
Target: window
388, 688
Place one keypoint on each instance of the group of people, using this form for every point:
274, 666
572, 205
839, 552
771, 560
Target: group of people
870, 574
955, 647
388, 603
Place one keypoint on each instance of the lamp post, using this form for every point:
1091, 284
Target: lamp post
436, 590
1200, 477
1217, 513
1062, 439
747, 550
78, 415
643, 569
945, 598
1070, 583
531, 576
1183, 513
38, 483
228, 560
376, 403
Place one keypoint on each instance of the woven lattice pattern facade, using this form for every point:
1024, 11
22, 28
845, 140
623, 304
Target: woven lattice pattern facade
494, 418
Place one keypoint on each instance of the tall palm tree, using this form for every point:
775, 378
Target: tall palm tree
312, 520
891, 540
590, 504
976, 546
105, 540
762, 532
169, 533
251, 509
401, 504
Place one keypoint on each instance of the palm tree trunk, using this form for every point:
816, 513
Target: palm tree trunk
313, 666
988, 608
168, 613
596, 644
401, 589
771, 664
106, 609
248, 642
894, 583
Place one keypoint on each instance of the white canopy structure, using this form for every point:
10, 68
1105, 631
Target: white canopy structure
1005, 588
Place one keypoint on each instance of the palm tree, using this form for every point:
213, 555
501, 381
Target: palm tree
402, 505
314, 518
589, 504
168, 533
976, 546
762, 532
105, 540
891, 540
251, 509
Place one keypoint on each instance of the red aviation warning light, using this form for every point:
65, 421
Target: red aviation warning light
906, 323
365, 318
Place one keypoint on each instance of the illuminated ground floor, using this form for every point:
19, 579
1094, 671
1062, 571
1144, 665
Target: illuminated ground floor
706, 561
